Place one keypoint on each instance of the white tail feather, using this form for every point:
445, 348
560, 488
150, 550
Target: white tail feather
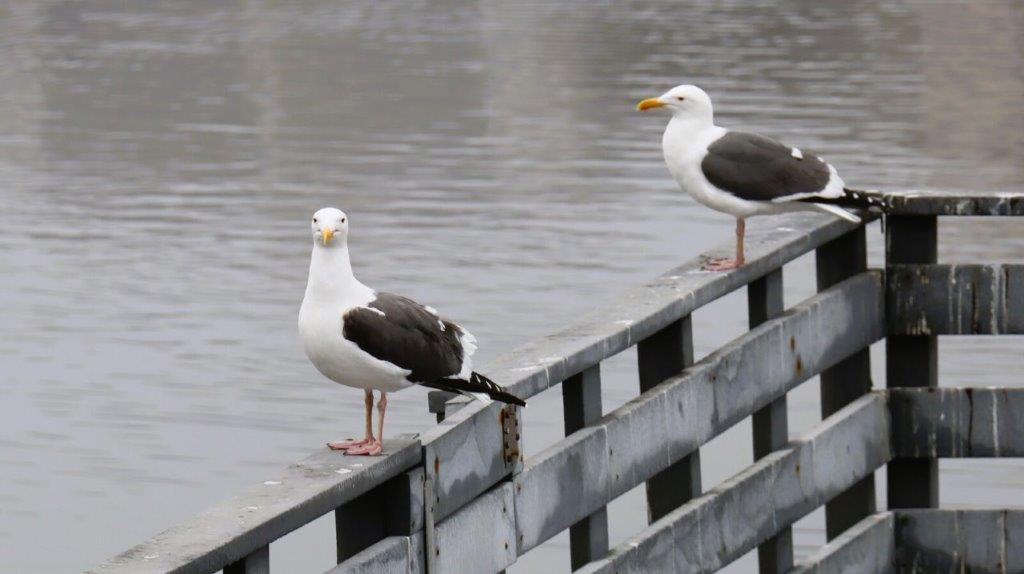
838, 212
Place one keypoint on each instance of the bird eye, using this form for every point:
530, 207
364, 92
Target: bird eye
343, 220
314, 220
680, 98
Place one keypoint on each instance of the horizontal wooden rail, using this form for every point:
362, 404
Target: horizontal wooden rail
480, 537
938, 299
926, 540
960, 540
463, 455
250, 521
646, 435
940, 202
957, 423
734, 517
867, 546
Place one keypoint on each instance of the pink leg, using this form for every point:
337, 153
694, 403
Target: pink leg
350, 444
726, 264
375, 447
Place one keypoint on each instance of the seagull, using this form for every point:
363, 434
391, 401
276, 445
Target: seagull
745, 174
373, 340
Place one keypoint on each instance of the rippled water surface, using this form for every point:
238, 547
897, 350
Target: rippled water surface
158, 164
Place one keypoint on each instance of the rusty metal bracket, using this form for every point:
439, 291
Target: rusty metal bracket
510, 431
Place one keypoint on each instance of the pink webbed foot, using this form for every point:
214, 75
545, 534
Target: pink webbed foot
349, 444
721, 264
373, 448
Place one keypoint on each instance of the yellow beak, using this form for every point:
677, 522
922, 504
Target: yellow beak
327, 233
649, 103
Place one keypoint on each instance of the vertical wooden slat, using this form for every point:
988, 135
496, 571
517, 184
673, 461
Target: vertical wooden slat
256, 563
659, 357
848, 380
359, 524
393, 508
770, 425
581, 404
912, 361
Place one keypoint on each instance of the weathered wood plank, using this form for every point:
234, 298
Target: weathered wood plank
466, 446
942, 202
765, 300
231, 530
849, 379
961, 299
956, 423
463, 456
660, 356
673, 419
479, 537
867, 547
715, 529
392, 555
933, 540
581, 405
911, 360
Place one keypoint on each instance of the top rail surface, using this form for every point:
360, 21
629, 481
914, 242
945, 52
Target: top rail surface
941, 202
234, 528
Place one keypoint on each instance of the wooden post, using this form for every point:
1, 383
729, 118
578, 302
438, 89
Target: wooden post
358, 524
581, 405
847, 380
770, 425
660, 356
437, 402
912, 361
256, 563
390, 509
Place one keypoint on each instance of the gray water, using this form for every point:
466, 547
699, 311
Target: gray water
159, 163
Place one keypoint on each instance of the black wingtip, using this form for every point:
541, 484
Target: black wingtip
867, 198
507, 398
477, 383
495, 391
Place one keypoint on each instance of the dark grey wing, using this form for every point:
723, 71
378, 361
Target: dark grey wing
400, 331
757, 168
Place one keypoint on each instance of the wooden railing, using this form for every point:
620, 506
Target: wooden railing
460, 498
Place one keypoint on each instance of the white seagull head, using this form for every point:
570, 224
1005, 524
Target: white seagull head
685, 102
329, 227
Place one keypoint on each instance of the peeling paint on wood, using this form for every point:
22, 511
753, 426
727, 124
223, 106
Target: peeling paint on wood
982, 541
941, 299
958, 422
